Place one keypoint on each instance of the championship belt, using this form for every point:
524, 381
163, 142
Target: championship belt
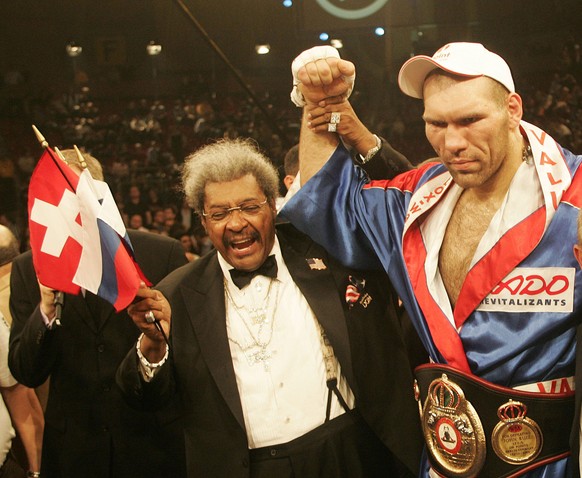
452, 429
476, 428
516, 439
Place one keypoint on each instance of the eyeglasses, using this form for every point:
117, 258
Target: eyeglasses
247, 210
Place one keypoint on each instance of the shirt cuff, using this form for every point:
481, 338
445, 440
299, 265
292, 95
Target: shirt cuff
48, 322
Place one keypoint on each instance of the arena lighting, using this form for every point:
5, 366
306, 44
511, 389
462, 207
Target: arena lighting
379, 31
263, 48
153, 48
287, 3
73, 49
324, 36
337, 43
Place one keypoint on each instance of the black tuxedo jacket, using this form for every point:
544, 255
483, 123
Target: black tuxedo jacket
366, 338
90, 431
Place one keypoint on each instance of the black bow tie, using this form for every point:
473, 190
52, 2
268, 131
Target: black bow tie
242, 278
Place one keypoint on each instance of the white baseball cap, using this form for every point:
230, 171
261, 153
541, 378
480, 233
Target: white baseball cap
464, 59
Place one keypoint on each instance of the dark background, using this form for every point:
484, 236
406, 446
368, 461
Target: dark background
114, 33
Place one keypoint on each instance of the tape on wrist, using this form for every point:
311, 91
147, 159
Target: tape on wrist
308, 56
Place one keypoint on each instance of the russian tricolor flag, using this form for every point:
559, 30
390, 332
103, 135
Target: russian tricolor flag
77, 235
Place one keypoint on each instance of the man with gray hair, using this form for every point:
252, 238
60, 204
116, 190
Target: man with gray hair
286, 363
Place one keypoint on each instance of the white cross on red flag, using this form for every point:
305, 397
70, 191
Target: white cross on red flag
77, 236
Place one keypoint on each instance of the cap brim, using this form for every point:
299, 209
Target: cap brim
414, 71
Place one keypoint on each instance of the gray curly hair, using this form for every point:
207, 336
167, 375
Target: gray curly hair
223, 161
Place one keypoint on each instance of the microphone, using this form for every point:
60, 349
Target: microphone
59, 302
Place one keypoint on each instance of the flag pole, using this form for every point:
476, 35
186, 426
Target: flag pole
60, 155
80, 157
59, 299
43, 142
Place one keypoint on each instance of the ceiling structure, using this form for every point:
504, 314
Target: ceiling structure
114, 35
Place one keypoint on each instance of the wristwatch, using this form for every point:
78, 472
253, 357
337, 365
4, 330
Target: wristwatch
372, 151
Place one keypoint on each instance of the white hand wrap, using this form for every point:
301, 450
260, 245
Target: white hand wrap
314, 54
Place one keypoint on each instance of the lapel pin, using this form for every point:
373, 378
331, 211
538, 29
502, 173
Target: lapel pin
352, 295
365, 300
316, 264
355, 292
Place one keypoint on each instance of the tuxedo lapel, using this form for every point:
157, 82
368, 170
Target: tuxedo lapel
206, 310
321, 292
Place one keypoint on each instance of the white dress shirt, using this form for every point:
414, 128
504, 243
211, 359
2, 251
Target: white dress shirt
284, 396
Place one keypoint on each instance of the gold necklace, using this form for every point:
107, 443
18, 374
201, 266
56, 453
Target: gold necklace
255, 350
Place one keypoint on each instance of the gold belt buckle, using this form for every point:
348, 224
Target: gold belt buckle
516, 439
452, 430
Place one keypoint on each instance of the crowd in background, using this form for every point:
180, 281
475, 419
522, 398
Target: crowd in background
142, 142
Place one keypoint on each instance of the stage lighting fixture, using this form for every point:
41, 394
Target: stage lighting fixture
263, 48
287, 3
153, 48
379, 31
73, 49
324, 36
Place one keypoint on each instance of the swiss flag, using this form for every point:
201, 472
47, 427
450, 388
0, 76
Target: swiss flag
55, 223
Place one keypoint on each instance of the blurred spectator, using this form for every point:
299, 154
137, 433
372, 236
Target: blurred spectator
134, 204
203, 242
291, 166
158, 220
186, 215
186, 238
136, 222
20, 407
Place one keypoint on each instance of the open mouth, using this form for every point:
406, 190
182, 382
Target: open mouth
242, 244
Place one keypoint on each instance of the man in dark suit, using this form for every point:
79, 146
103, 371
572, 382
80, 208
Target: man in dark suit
90, 430
300, 370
